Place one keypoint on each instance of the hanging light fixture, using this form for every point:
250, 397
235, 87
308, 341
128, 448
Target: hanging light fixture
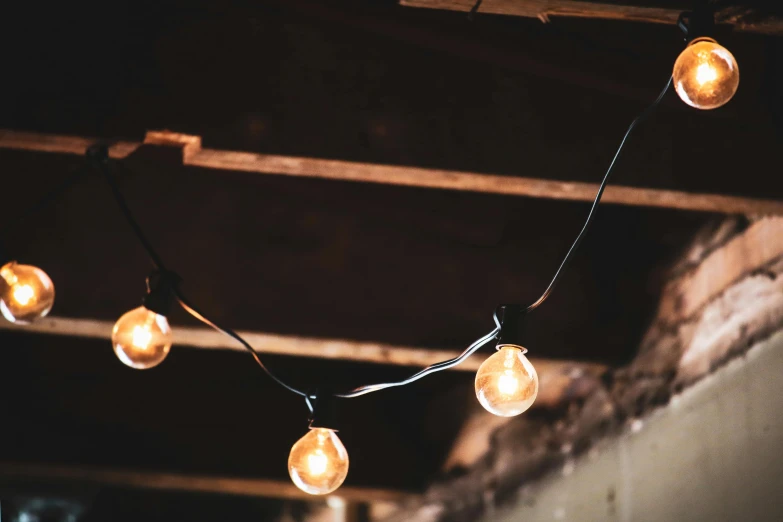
506, 383
26, 293
318, 462
142, 337
706, 74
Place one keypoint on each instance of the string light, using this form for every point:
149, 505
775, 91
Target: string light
318, 462
26, 293
705, 76
141, 338
506, 383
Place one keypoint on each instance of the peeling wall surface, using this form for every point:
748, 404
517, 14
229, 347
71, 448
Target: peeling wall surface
689, 430
712, 454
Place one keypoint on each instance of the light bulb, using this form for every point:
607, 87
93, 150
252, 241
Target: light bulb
141, 338
506, 383
706, 75
318, 463
26, 293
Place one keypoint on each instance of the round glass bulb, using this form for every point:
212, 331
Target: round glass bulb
706, 75
141, 338
318, 463
26, 293
506, 383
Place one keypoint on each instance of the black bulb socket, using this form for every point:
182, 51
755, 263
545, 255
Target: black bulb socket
511, 325
161, 292
697, 23
324, 413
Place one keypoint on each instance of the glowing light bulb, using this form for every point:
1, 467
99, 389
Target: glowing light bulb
26, 293
318, 463
141, 338
706, 75
506, 383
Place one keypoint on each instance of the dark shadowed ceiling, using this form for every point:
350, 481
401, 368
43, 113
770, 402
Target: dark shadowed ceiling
362, 81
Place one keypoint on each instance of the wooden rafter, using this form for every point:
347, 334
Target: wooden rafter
17, 472
557, 377
742, 18
194, 155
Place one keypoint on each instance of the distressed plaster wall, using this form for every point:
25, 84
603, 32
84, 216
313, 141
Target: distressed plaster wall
714, 453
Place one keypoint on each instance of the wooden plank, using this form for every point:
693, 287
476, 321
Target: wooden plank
37, 142
289, 345
742, 18
338, 170
16, 472
559, 380
475, 182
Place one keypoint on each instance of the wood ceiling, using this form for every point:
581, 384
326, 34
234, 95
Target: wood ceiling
408, 266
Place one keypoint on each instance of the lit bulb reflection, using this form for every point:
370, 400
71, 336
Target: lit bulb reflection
506, 383
705, 75
141, 338
26, 293
318, 462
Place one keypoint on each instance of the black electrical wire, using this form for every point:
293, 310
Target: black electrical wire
184, 302
192, 310
481, 342
363, 390
643, 116
122, 203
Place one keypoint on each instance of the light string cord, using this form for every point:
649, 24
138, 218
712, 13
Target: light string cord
101, 161
487, 338
569, 255
443, 365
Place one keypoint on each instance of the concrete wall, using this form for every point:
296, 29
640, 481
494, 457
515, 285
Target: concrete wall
714, 453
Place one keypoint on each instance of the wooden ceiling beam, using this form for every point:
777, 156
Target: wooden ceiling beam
557, 377
15, 473
741, 18
194, 155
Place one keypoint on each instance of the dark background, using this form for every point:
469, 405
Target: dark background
363, 81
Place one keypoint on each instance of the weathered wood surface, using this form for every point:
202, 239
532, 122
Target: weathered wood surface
17, 472
742, 18
556, 376
194, 155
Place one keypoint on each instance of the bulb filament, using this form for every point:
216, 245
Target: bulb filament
141, 337
23, 294
706, 73
508, 384
317, 462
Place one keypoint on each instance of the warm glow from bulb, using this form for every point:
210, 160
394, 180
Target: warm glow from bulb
705, 74
318, 462
141, 338
23, 294
506, 383
26, 293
